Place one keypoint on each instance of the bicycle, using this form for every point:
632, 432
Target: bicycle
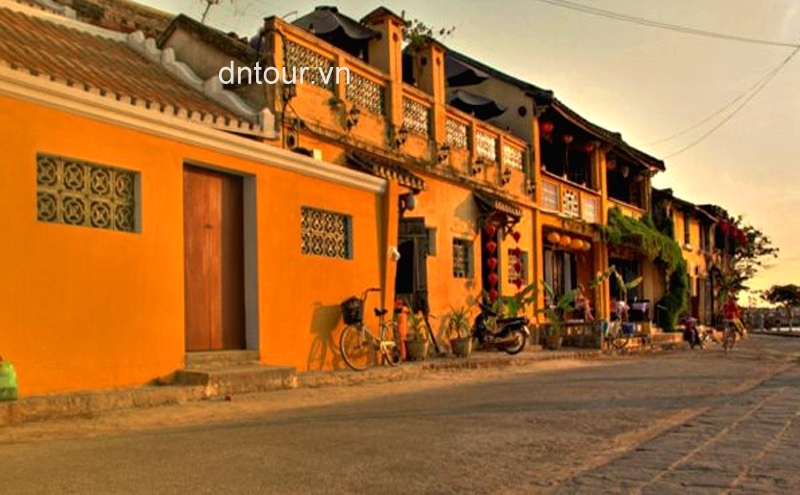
729, 336
617, 333
357, 343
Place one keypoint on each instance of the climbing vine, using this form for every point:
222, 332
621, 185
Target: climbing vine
643, 236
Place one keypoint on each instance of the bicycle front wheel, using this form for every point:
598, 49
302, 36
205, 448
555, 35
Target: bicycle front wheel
390, 345
357, 347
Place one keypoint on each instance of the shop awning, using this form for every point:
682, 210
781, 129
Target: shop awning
387, 169
490, 203
481, 107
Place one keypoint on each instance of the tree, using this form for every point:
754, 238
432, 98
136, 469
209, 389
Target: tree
787, 296
747, 250
416, 32
208, 5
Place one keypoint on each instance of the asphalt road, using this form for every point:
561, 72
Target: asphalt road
688, 422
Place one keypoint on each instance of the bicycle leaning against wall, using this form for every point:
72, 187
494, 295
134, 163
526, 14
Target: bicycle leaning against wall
359, 347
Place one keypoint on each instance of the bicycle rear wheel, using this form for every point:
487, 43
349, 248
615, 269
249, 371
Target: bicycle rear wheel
357, 347
390, 345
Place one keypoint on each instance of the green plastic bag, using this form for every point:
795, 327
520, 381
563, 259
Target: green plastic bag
8, 381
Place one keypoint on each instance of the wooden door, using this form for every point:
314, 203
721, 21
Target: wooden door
411, 280
213, 260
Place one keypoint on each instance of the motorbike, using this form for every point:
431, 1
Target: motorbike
510, 334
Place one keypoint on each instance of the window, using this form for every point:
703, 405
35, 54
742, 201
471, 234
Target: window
687, 233
462, 258
324, 233
704, 238
431, 234
517, 267
79, 193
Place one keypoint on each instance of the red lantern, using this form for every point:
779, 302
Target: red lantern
567, 138
491, 263
518, 283
492, 278
491, 246
518, 266
516, 252
490, 230
546, 127
588, 147
516, 235
493, 295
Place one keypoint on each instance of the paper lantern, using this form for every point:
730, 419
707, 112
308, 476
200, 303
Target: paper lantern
493, 295
491, 246
516, 252
587, 246
567, 138
588, 147
516, 235
491, 263
565, 241
546, 127
490, 230
553, 237
576, 244
492, 278
518, 283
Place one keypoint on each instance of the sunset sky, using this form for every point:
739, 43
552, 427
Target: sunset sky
644, 82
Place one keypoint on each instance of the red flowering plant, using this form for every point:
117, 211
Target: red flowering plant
747, 251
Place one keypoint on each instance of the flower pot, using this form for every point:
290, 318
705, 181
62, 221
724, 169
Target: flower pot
462, 347
416, 350
553, 342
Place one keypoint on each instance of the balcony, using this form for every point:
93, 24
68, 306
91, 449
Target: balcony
569, 200
627, 209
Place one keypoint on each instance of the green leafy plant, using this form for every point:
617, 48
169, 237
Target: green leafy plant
518, 304
416, 33
458, 322
556, 312
417, 329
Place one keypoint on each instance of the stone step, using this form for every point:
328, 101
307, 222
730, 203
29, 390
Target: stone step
220, 359
238, 379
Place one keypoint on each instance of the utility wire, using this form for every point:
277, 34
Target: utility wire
752, 95
662, 25
722, 109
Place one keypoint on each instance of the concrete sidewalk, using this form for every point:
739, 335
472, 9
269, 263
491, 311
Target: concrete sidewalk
89, 404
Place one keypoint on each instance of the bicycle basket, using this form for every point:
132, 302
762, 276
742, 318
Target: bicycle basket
353, 311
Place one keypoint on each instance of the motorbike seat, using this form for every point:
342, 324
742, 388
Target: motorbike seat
380, 312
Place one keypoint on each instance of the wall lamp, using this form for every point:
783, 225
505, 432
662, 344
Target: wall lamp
352, 117
401, 136
408, 202
444, 153
506, 176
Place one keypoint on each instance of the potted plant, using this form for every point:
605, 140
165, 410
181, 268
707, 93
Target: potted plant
460, 332
417, 341
556, 313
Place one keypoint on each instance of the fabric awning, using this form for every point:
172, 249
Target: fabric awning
481, 107
387, 169
459, 73
492, 203
328, 21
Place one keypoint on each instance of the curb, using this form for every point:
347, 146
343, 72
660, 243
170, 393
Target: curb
91, 404
775, 334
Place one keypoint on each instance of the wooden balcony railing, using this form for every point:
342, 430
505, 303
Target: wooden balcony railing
628, 210
570, 200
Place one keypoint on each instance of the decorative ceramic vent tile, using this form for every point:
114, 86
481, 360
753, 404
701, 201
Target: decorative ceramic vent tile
456, 134
550, 196
512, 157
324, 233
299, 57
367, 94
571, 203
486, 145
78, 193
416, 117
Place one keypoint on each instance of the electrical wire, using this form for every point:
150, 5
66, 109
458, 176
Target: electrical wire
662, 25
736, 110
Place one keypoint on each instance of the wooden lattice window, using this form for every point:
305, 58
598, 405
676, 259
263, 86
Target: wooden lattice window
325, 233
462, 258
74, 192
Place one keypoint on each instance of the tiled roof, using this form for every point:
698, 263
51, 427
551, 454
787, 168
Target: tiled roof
118, 15
106, 64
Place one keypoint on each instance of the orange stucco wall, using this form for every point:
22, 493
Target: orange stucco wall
84, 308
